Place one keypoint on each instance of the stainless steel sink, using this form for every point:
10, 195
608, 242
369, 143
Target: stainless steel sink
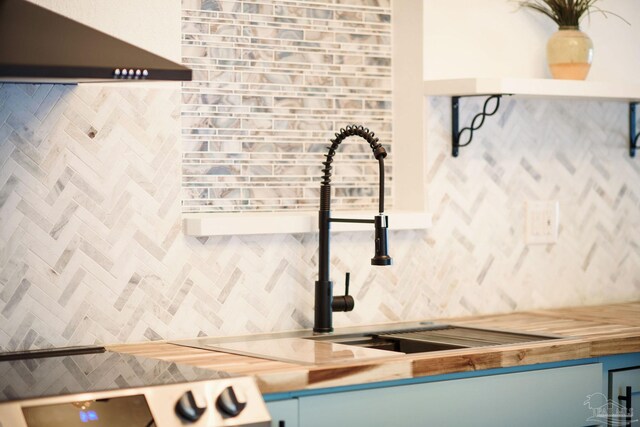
361, 343
432, 338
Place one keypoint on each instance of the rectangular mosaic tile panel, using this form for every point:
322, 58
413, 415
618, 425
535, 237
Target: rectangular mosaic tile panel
273, 81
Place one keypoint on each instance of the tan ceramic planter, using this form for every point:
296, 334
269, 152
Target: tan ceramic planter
569, 54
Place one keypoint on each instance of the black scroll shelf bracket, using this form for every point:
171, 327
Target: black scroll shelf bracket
476, 122
634, 135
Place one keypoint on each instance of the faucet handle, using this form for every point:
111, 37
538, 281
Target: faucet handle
347, 277
343, 302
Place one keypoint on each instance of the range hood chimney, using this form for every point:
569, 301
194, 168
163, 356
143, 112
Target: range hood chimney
41, 46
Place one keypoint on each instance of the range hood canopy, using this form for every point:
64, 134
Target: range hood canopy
41, 46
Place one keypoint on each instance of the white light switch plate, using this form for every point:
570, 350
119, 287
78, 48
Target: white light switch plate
542, 219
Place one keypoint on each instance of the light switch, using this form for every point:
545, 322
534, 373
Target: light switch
542, 219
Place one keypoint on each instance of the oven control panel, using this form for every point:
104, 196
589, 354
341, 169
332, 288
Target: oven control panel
220, 402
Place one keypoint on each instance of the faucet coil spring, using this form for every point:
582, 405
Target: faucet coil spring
361, 131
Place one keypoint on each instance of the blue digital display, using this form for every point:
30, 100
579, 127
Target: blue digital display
106, 412
86, 416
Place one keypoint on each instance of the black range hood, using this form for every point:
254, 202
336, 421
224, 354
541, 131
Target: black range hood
41, 46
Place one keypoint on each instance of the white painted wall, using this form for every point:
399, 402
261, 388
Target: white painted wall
493, 38
153, 25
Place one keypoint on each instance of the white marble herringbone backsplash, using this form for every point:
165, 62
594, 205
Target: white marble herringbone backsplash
574, 152
91, 248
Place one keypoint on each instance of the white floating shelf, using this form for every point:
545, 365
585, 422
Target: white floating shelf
223, 224
541, 88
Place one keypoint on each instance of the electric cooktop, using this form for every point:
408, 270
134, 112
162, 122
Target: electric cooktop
44, 373
77, 387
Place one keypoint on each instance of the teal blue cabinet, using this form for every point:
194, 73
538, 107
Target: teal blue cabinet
547, 397
622, 390
563, 394
284, 413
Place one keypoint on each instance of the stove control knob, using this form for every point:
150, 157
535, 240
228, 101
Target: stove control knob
188, 409
231, 401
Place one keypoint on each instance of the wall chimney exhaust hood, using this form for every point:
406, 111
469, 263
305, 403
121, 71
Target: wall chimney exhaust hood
41, 46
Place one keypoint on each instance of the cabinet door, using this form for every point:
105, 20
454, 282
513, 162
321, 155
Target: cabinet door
284, 413
619, 380
548, 397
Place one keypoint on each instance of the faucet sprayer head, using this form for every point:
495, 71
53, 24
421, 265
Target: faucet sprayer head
381, 256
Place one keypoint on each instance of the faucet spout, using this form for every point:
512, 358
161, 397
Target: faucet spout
325, 303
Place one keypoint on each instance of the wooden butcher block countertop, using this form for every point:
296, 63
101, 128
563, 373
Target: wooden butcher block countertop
591, 332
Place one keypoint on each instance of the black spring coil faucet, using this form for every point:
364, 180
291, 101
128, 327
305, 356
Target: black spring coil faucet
325, 302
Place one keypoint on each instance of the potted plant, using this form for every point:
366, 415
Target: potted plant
569, 50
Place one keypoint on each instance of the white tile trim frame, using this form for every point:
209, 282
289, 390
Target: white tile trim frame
229, 224
409, 201
408, 107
